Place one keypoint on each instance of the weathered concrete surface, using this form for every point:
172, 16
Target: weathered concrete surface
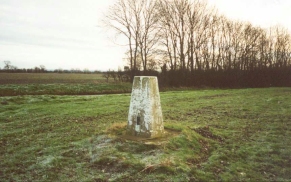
145, 117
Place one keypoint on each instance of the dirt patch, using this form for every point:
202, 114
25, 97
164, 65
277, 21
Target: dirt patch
214, 96
205, 132
4, 102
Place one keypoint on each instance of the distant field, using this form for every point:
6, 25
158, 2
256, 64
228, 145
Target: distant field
219, 135
13, 84
49, 78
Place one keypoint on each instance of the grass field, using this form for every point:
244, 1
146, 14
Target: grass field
218, 135
15, 84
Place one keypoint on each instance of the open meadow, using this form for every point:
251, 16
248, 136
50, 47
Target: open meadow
219, 135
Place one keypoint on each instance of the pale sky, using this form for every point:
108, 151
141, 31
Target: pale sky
66, 33
264, 13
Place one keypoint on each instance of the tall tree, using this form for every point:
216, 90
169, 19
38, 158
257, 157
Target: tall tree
148, 33
121, 18
198, 21
174, 23
168, 36
136, 20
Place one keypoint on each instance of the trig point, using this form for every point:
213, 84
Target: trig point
145, 117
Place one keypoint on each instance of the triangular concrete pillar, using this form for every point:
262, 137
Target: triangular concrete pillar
145, 117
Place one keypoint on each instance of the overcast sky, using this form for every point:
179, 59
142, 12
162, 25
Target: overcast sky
66, 33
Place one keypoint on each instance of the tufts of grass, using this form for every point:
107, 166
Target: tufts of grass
117, 128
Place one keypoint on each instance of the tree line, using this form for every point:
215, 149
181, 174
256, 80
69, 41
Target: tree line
193, 45
9, 68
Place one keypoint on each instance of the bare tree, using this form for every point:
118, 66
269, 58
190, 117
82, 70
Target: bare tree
136, 20
184, 27
282, 47
236, 33
120, 18
42, 68
179, 18
168, 37
174, 23
106, 75
113, 75
198, 23
148, 36
7, 65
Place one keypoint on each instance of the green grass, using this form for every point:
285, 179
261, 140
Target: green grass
220, 135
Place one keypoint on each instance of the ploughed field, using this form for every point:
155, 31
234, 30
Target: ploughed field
14, 84
50, 78
219, 135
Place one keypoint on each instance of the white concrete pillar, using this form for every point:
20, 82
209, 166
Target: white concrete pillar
145, 117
